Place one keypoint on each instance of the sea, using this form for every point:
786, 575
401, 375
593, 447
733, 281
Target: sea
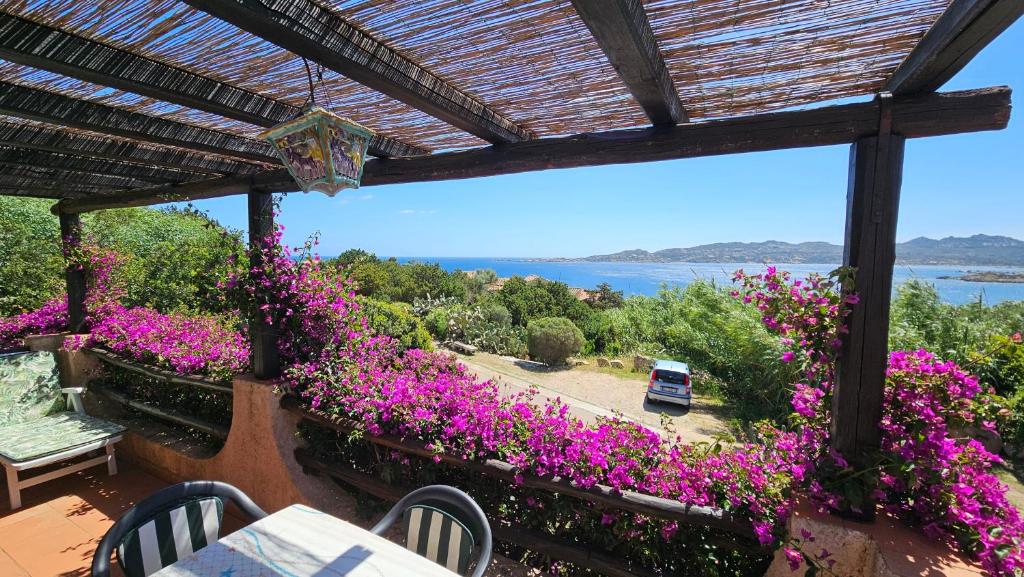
648, 278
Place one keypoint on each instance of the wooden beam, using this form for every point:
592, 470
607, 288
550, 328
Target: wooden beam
269, 181
71, 235
165, 414
929, 115
65, 142
872, 206
40, 46
623, 32
170, 377
72, 163
59, 177
8, 189
959, 34
11, 185
266, 363
314, 32
53, 108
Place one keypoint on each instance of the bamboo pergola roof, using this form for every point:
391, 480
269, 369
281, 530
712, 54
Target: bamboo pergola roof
164, 93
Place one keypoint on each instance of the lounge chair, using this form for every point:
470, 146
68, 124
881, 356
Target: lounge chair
38, 427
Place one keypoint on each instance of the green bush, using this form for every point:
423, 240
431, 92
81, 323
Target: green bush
1001, 365
1012, 429
174, 258
396, 321
601, 334
552, 340
31, 266
436, 322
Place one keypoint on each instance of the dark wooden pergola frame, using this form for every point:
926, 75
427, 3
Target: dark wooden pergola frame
40, 159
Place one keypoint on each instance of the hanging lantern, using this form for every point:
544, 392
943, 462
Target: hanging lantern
322, 150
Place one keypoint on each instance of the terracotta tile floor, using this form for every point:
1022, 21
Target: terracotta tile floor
55, 532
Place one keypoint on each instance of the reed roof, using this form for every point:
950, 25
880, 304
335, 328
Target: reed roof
532, 62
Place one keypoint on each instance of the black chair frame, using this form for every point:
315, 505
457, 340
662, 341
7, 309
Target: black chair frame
159, 501
457, 504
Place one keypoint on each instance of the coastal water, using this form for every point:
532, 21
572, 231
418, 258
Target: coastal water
647, 278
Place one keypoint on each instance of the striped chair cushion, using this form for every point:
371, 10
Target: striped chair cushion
439, 537
170, 535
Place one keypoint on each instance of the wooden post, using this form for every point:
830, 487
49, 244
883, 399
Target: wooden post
872, 204
265, 361
71, 233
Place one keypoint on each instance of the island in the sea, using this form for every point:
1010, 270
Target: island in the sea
977, 250
989, 276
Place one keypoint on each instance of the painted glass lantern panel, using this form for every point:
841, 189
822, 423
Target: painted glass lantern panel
347, 153
302, 153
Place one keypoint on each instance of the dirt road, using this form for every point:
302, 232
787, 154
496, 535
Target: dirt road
590, 394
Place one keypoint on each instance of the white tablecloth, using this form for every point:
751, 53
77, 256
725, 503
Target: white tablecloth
302, 542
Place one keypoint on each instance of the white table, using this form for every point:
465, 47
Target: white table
302, 542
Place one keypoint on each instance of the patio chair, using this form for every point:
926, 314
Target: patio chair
448, 517
168, 525
38, 427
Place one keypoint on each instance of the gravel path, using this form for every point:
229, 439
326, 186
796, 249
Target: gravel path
590, 394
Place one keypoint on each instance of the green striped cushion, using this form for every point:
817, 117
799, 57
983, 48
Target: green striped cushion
439, 537
170, 535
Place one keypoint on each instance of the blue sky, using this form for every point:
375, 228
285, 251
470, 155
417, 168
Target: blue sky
953, 185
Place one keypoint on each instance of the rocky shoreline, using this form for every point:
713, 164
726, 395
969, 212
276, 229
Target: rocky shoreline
1007, 277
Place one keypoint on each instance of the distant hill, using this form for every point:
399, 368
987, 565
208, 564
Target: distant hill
977, 250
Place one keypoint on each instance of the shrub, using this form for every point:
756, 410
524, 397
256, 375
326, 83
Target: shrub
174, 258
476, 283
601, 334
436, 322
1012, 430
552, 340
49, 318
1002, 365
30, 259
188, 344
396, 321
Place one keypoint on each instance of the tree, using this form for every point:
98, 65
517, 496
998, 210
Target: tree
476, 282
606, 298
354, 256
527, 300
